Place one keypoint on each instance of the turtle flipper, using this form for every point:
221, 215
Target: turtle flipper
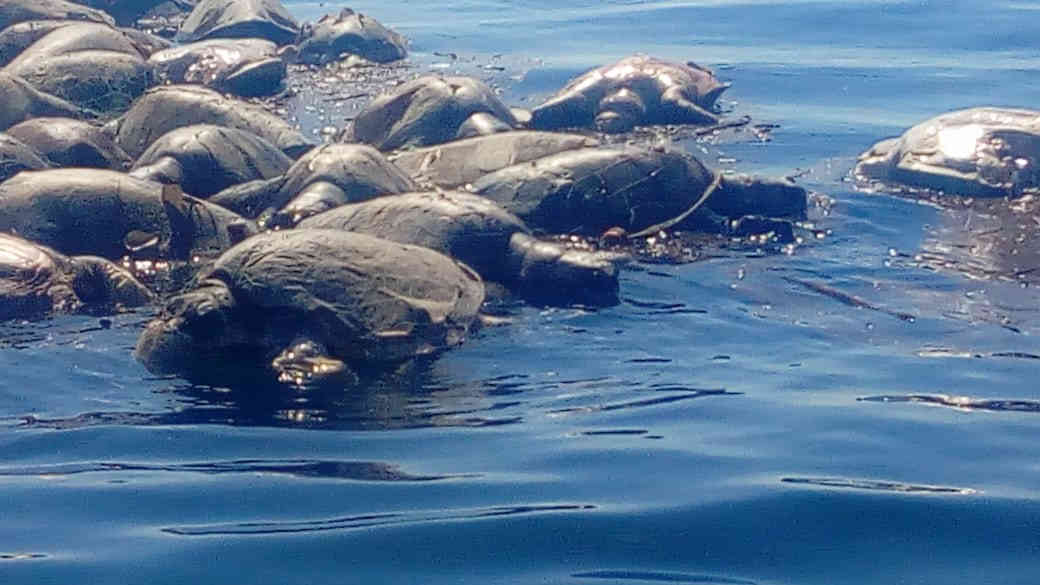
677, 108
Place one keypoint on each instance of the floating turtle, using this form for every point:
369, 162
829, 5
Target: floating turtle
15, 11
239, 19
105, 213
16, 156
428, 110
349, 33
92, 65
245, 67
366, 301
978, 152
327, 176
459, 162
637, 90
165, 108
71, 143
593, 189
487, 238
36, 281
205, 159
20, 101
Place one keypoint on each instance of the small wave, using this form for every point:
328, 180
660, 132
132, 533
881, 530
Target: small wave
368, 521
876, 485
960, 402
22, 556
661, 577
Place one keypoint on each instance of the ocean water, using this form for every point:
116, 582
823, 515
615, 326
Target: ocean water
862, 409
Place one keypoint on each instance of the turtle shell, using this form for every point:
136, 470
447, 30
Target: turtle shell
364, 300
468, 227
264, 19
165, 108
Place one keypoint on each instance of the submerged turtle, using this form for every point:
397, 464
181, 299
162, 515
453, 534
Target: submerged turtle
93, 65
978, 152
165, 108
349, 33
637, 90
71, 143
36, 281
21, 101
245, 67
205, 159
459, 162
487, 238
241, 19
105, 213
327, 176
366, 301
593, 189
429, 110
16, 156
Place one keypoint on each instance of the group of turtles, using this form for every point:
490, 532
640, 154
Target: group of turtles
117, 145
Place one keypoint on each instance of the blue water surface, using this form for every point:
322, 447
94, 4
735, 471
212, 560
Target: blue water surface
757, 417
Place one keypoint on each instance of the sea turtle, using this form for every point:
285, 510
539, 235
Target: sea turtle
71, 143
167, 107
487, 238
637, 90
349, 33
203, 159
327, 176
92, 65
15, 11
36, 281
978, 152
459, 162
239, 19
20, 101
106, 213
367, 302
16, 156
592, 189
424, 111
245, 67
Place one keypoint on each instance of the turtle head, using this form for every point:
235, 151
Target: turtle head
550, 274
102, 286
193, 331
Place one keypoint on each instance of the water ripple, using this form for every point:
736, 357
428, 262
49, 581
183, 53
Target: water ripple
661, 577
876, 485
966, 403
352, 470
368, 520
690, 394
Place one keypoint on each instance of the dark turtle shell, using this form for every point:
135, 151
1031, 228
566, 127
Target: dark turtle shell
365, 300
